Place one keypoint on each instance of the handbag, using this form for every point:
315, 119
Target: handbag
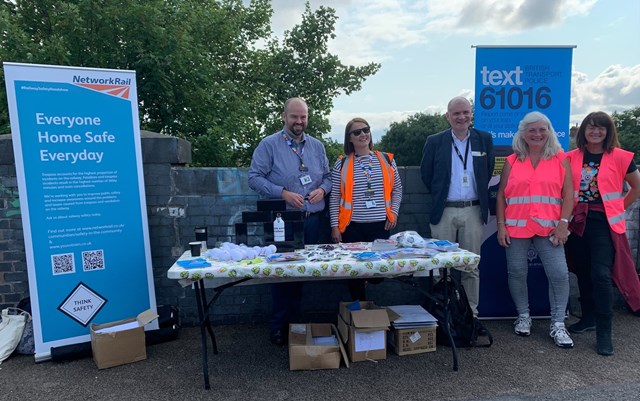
11, 328
26, 345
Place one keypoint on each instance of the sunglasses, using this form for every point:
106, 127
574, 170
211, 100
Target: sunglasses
357, 132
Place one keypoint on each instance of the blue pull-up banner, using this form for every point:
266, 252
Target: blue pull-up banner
512, 81
76, 141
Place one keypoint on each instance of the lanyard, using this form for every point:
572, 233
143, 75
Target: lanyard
294, 149
366, 168
466, 153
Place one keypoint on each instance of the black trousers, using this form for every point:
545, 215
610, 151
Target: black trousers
363, 232
593, 256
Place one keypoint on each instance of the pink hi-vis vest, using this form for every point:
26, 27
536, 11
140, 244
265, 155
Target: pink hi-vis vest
613, 168
533, 196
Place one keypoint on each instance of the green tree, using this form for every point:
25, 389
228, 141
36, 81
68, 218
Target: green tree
406, 139
300, 65
334, 150
628, 126
200, 72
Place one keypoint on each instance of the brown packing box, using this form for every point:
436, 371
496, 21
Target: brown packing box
305, 355
345, 312
413, 340
364, 332
120, 346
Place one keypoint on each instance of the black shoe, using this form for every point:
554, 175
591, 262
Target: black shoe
480, 329
604, 342
583, 325
277, 337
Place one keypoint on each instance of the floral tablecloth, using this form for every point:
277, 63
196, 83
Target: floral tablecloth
327, 261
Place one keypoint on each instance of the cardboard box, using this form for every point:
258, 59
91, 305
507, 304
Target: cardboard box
364, 332
413, 340
346, 313
308, 352
120, 342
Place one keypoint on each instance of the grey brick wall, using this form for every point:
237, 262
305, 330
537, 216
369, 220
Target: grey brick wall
179, 198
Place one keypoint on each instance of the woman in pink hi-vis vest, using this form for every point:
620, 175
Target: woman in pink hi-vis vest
533, 206
599, 250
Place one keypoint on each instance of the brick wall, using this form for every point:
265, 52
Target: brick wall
179, 198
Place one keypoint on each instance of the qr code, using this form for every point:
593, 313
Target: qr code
93, 260
63, 263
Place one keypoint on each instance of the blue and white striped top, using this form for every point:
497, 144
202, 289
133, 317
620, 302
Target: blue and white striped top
360, 212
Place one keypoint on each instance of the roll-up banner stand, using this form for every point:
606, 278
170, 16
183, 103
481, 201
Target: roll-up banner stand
76, 141
511, 81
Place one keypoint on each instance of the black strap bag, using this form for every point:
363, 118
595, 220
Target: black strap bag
465, 330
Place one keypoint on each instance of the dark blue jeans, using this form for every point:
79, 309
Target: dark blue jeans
286, 297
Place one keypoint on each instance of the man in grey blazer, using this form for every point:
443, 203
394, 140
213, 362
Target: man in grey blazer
456, 167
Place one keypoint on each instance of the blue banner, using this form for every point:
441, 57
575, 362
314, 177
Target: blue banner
512, 81
78, 158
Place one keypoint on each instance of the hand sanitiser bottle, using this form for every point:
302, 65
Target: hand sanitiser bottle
278, 229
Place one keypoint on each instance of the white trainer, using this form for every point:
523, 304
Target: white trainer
560, 335
522, 326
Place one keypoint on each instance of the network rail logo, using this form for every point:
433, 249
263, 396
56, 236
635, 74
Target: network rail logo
111, 86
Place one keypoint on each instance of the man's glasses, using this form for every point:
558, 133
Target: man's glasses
357, 132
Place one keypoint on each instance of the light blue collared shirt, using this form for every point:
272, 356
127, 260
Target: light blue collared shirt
275, 166
457, 191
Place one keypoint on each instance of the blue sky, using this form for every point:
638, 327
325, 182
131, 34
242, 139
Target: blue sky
425, 48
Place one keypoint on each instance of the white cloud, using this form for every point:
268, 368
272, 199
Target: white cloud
617, 88
370, 30
366, 30
501, 16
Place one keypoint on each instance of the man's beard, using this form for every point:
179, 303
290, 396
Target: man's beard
297, 129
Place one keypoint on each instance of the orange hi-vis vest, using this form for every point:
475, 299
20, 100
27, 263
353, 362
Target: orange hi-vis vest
613, 168
533, 196
346, 188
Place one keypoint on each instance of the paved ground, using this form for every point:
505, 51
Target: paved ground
250, 368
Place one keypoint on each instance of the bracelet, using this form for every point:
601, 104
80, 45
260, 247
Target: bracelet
565, 220
499, 222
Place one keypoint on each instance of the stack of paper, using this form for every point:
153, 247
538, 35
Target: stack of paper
412, 316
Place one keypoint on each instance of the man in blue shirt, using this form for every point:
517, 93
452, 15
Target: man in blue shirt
293, 166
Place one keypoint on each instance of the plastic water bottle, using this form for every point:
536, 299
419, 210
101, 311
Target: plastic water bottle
278, 229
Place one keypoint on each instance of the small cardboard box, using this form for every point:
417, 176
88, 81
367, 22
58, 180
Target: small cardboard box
413, 340
364, 332
346, 313
307, 351
120, 342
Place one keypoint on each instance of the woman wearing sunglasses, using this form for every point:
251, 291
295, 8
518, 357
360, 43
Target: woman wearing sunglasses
366, 193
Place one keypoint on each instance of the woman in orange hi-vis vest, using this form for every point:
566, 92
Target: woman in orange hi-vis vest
365, 195
533, 206
599, 249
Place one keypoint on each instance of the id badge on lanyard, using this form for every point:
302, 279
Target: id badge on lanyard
305, 179
369, 202
465, 179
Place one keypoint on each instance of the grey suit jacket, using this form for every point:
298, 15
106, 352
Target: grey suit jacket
435, 169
